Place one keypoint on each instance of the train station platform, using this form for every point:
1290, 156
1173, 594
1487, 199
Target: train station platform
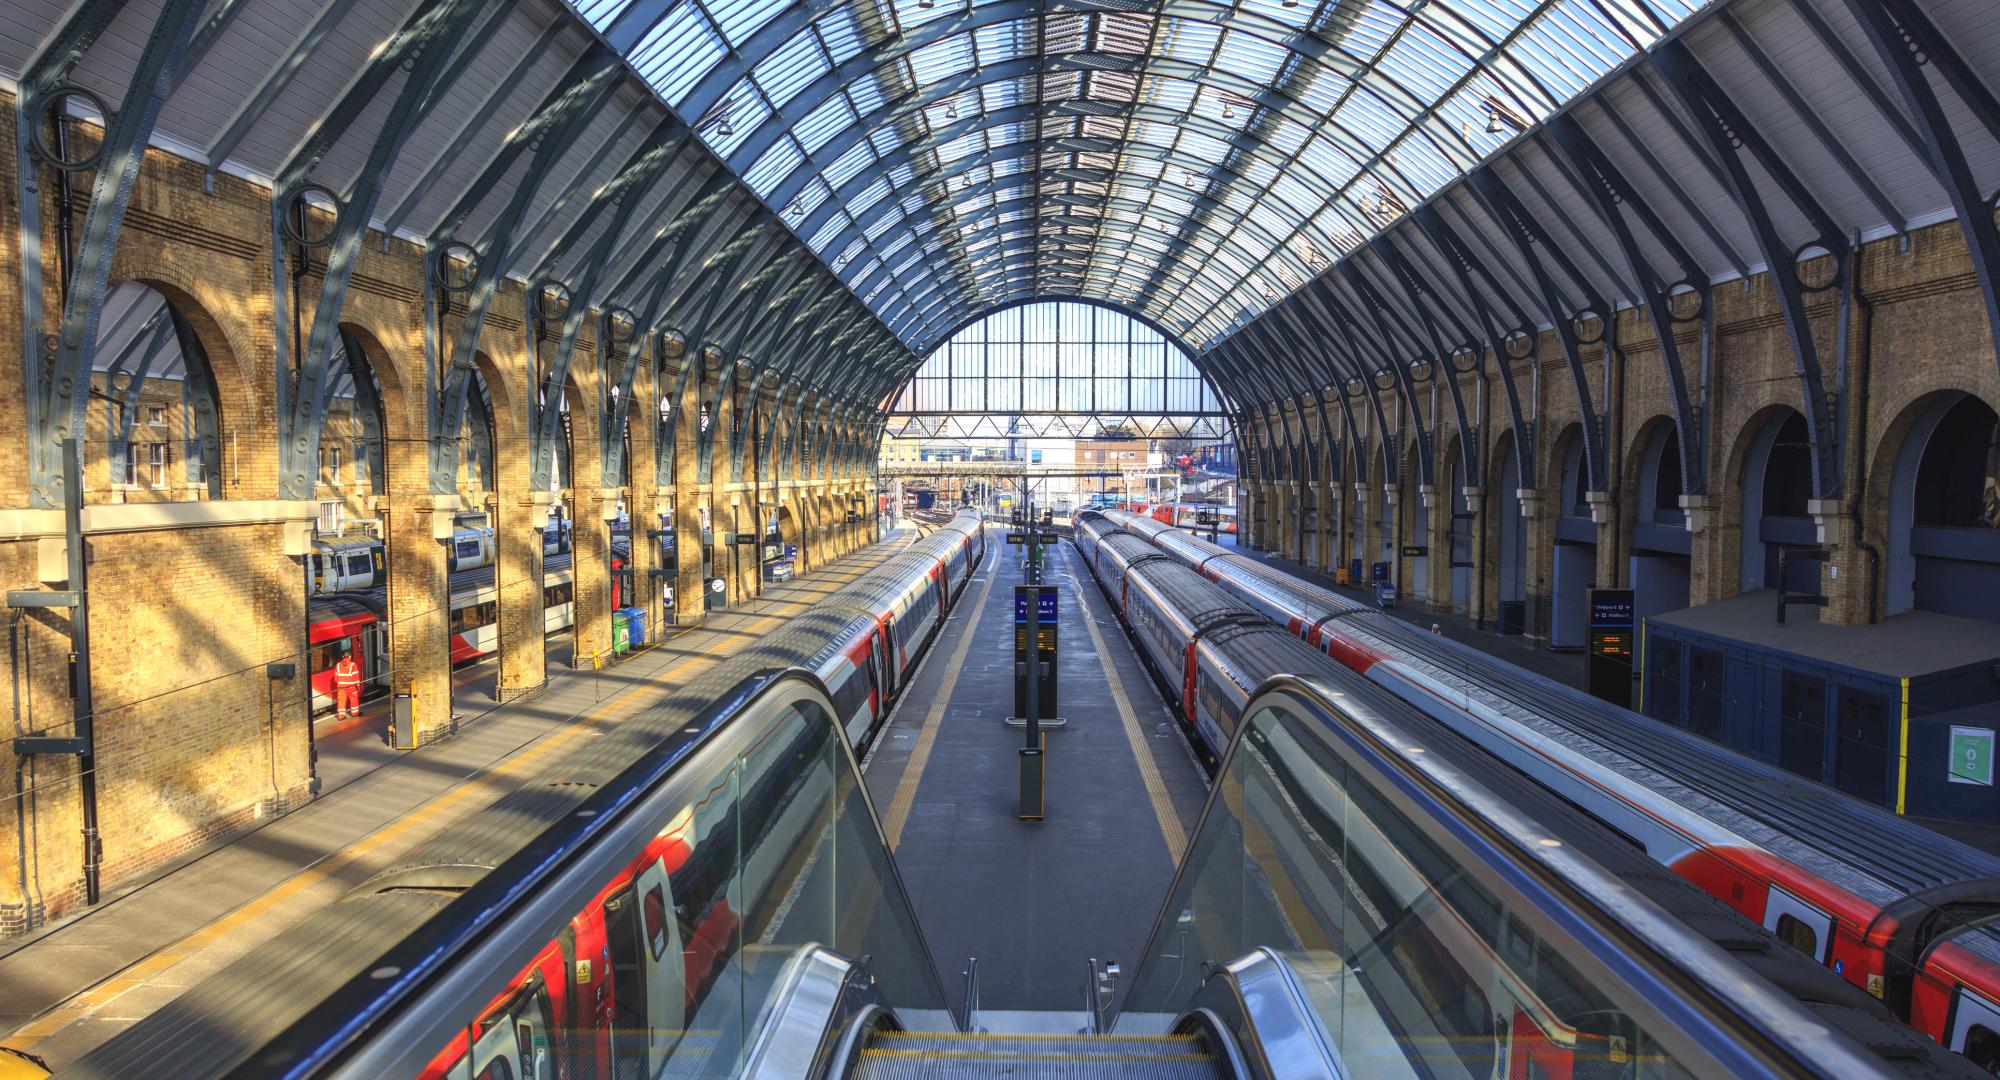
74, 984
1123, 794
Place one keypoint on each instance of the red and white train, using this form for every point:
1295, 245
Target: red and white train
1881, 900
657, 961
1187, 515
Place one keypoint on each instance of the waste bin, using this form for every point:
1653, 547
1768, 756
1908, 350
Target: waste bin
1385, 594
1378, 571
621, 632
635, 626
1354, 572
1514, 617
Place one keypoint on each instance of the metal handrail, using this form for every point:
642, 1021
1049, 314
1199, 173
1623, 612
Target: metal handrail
370, 1002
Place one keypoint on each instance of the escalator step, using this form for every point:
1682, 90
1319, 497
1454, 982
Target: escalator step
898, 1055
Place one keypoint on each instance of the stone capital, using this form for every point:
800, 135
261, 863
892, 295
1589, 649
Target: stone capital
1472, 495
1600, 506
1425, 492
1696, 510
1530, 500
1830, 516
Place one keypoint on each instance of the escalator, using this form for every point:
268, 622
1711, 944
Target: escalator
1348, 906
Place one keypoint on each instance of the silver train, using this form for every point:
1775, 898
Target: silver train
1878, 899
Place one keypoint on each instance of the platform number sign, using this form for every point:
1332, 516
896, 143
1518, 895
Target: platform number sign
1972, 755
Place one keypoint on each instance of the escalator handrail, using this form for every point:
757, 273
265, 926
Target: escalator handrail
339, 1031
1749, 1028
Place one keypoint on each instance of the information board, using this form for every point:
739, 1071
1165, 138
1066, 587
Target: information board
1044, 658
1608, 674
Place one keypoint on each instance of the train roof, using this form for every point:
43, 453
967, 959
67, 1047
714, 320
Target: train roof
316, 957
1196, 598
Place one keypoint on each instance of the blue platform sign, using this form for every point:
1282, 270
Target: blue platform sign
1047, 596
1611, 609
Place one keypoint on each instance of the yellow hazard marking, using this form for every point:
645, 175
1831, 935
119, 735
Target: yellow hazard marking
1171, 829
140, 973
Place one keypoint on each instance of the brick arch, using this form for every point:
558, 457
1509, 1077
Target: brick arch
231, 348
1882, 523
1554, 466
397, 398
1632, 475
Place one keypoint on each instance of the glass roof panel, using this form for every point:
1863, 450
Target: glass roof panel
1194, 161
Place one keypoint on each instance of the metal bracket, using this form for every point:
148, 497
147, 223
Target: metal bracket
42, 598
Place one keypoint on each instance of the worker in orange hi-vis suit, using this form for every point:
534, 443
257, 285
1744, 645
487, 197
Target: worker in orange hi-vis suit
347, 686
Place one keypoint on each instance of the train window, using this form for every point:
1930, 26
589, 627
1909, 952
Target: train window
656, 921
360, 564
1798, 935
1982, 1045
326, 654
559, 593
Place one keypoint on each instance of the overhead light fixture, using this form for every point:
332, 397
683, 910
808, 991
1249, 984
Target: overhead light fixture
951, 110
1493, 126
722, 127
1228, 111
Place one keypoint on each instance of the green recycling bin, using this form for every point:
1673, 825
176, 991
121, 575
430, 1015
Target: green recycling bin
621, 633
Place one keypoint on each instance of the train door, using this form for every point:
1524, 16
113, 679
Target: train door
649, 974
1975, 1030
879, 652
1799, 924
513, 1043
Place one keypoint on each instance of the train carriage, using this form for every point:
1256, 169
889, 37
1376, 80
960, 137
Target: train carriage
1867, 893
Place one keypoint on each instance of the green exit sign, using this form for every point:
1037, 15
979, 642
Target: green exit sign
1972, 755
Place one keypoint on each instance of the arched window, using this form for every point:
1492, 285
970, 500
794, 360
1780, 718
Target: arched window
1958, 482
1058, 369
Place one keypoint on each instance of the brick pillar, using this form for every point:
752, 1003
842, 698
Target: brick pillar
1704, 549
419, 603
642, 497
518, 520
593, 505
1843, 579
1609, 571
1541, 554
690, 587
1475, 504
1437, 536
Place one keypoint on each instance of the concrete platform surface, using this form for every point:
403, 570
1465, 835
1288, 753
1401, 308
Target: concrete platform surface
1034, 900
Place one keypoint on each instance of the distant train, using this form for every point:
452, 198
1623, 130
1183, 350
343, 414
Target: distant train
358, 621
344, 564
1187, 515
1880, 900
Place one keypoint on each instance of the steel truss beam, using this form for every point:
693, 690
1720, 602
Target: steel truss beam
424, 43
1535, 245
1912, 47
57, 359
1613, 197
1728, 134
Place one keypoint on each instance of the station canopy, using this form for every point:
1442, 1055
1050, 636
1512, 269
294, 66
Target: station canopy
1191, 161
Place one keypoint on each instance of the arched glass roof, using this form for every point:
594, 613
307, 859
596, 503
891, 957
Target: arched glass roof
1192, 160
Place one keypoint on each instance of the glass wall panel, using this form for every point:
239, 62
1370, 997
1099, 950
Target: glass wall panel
1060, 356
